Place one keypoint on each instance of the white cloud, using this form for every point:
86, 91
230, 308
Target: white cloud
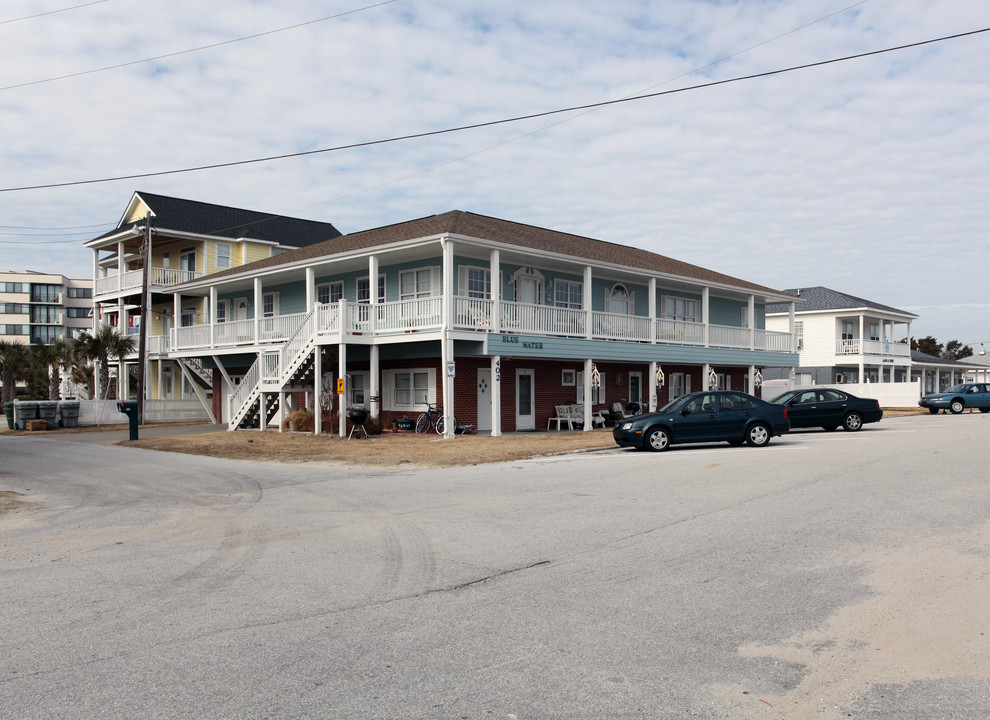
867, 176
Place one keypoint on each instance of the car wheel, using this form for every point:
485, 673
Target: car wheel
956, 406
656, 439
852, 422
758, 435
933, 411
829, 428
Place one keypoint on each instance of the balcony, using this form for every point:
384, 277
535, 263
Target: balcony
875, 348
477, 315
130, 281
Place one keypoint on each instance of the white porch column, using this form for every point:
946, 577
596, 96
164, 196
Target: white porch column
257, 310
212, 318
496, 320
446, 344
318, 389
704, 318
176, 317
283, 410
653, 317
791, 326
373, 294
120, 265
496, 396
310, 288
375, 382
705, 369
586, 304
751, 315
342, 397
651, 383
587, 392
263, 397
752, 385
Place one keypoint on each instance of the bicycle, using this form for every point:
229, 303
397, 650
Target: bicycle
432, 418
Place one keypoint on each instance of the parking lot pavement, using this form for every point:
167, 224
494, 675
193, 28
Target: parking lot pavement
829, 575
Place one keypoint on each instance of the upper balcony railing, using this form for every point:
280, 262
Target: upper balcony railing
131, 280
872, 347
477, 314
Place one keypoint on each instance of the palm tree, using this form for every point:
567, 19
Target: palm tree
102, 346
47, 361
13, 367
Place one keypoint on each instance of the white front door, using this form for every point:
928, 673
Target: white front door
525, 395
484, 399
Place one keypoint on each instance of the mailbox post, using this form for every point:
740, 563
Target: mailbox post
130, 409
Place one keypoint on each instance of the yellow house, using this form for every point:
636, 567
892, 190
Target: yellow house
188, 240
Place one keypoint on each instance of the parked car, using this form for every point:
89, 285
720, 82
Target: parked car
828, 408
725, 415
959, 397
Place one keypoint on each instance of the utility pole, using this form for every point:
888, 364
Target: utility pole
145, 326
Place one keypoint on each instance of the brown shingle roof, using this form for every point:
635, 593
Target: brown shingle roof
458, 222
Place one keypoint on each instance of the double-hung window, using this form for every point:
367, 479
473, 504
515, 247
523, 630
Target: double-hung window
223, 256
364, 290
329, 292
415, 284
567, 294
478, 283
269, 305
408, 390
679, 308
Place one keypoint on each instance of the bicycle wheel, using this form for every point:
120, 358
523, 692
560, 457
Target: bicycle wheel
441, 424
423, 423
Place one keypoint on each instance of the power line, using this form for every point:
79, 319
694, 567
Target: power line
197, 49
491, 123
51, 12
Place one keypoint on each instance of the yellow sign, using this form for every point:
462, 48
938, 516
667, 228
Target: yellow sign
340, 386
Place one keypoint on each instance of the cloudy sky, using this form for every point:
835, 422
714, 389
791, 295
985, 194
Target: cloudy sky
869, 176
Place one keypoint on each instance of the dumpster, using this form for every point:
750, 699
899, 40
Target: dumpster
8, 410
26, 411
48, 411
130, 409
69, 409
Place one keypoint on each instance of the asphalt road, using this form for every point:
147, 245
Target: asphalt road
829, 575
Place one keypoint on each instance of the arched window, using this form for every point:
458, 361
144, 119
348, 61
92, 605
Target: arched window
618, 300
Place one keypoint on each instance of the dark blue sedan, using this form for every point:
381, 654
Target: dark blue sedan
724, 415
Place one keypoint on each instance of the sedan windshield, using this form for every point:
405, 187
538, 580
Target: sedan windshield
956, 389
671, 405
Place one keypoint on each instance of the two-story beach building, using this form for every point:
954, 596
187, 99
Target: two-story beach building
498, 321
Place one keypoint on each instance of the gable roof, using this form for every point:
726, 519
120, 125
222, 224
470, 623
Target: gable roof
193, 216
816, 299
482, 227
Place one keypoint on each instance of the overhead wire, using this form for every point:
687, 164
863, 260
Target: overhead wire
177, 53
503, 121
51, 12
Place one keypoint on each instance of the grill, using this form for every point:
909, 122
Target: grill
357, 417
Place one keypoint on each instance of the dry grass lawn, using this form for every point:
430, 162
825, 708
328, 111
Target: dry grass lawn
388, 449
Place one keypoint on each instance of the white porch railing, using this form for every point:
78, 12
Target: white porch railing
726, 336
871, 347
680, 332
280, 327
476, 314
131, 280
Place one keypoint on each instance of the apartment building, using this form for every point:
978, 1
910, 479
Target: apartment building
41, 307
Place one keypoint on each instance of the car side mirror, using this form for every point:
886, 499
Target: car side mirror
685, 411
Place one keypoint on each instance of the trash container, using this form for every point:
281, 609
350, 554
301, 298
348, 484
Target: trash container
130, 409
69, 410
47, 411
8, 410
26, 411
